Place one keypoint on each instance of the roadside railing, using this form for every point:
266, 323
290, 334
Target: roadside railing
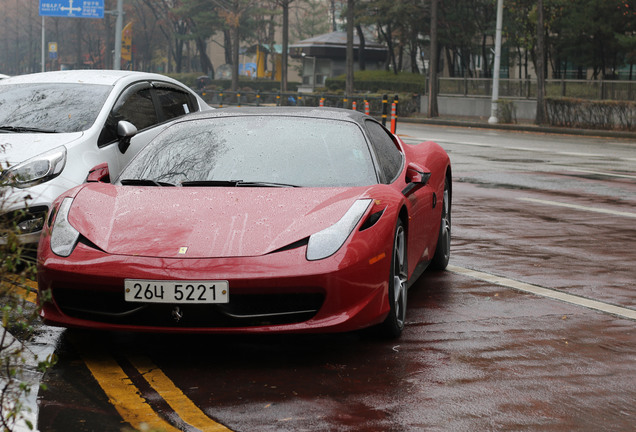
221, 98
527, 88
383, 107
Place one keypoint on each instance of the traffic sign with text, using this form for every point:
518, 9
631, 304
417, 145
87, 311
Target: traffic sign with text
72, 8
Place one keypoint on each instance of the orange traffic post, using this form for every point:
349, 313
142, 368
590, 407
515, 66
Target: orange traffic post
322, 102
396, 102
367, 110
393, 118
354, 106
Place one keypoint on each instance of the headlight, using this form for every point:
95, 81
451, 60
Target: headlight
36, 170
63, 235
327, 242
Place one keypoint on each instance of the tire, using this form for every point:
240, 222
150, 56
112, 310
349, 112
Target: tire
393, 325
442, 250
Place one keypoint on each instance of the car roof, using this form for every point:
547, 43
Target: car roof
87, 76
309, 112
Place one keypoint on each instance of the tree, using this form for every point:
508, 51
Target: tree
540, 116
311, 19
349, 59
361, 48
147, 34
433, 65
203, 21
379, 14
476, 18
520, 31
285, 5
173, 27
17, 317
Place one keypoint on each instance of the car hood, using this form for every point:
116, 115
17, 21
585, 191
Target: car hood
209, 222
18, 147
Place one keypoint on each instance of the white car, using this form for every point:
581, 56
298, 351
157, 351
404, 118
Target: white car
56, 126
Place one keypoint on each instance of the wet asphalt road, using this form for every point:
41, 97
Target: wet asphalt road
537, 211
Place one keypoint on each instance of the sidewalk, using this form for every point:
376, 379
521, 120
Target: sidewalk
524, 126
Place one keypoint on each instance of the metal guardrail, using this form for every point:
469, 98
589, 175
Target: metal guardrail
527, 89
223, 98
466, 87
378, 106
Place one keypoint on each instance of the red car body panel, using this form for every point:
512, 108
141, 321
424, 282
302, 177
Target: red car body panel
241, 235
210, 222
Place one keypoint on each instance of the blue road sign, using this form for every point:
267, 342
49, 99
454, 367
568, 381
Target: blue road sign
72, 8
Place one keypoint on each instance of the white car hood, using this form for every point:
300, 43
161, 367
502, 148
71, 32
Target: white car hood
18, 147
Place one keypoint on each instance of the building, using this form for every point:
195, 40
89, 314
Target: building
324, 56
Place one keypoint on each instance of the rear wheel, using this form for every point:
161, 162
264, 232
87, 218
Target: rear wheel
442, 250
394, 323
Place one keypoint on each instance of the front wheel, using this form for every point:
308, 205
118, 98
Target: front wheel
394, 323
442, 250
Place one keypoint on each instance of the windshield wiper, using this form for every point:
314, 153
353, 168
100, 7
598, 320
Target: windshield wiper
234, 183
22, 129
143, 182
219, 183
264, 184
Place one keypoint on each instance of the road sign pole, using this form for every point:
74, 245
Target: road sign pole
43, 43
118, 30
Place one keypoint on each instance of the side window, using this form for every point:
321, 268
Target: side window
138, 109
134, 105
387, 153
174, 103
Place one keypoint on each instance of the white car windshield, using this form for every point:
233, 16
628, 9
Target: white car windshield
255, 150
50, 107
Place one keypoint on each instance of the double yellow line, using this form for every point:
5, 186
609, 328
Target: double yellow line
121, 391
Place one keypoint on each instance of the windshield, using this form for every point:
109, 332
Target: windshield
50, 107
255, 150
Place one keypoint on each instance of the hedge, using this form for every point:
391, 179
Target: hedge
380, 81
591, 114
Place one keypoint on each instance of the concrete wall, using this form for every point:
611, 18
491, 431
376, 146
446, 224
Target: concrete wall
477, 107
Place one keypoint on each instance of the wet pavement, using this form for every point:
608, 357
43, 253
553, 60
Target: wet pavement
475, 355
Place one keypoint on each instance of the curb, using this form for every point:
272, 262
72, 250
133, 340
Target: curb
521, 128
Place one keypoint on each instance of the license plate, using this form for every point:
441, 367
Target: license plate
161, 291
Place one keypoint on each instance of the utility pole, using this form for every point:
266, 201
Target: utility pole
495, 70
118, 29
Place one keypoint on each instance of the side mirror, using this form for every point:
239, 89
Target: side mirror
99, 173
125, 131
416, 178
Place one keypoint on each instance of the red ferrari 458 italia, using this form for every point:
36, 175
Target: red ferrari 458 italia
251, 220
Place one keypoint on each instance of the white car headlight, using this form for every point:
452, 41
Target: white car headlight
327, 242
36, 170
63, 236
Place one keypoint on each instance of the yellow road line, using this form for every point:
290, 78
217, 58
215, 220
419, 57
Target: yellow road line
120, 390
25, 288
179, 402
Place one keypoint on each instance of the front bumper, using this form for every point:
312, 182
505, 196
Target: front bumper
280, 292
